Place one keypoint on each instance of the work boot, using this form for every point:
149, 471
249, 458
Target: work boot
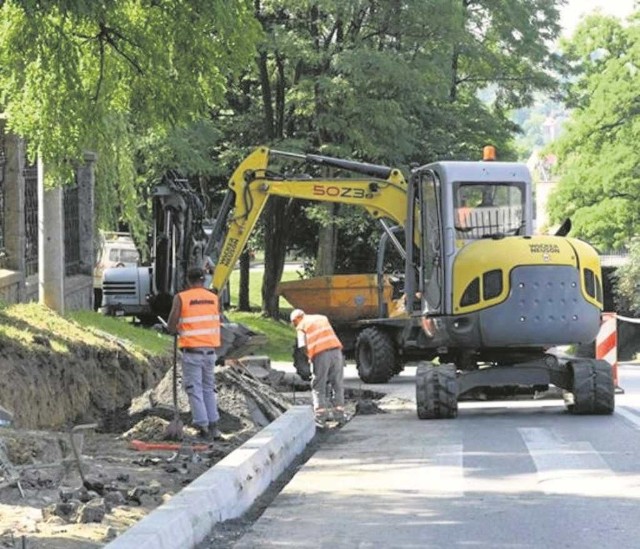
322, 418
339, 416
214, 432
203, 433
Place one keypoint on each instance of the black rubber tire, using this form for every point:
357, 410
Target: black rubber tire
593, 387
97, 298
436, 391
375, 356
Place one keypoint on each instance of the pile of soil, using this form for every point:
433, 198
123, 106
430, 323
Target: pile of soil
69, 473
245, 402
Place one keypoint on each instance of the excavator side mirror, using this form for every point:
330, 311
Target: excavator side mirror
564, 229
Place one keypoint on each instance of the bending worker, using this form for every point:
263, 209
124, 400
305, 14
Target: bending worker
324, 350
195, 317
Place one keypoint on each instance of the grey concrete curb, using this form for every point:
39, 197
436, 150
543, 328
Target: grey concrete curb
226, 490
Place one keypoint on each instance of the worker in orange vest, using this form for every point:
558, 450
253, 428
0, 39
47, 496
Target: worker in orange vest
463, 213
195, 317
324, 350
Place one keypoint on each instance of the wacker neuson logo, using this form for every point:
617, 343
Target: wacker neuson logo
544, 248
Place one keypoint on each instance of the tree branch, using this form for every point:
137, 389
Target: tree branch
632, 111
107, 34
494, 79
101, 76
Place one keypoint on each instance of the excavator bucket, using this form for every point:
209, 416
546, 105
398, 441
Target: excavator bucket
343, 298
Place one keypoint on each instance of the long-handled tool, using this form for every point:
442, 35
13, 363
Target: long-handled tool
145, 446
174, 431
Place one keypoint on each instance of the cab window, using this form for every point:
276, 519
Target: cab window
482, 211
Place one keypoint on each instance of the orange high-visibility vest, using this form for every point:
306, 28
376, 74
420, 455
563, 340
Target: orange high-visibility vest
199, 322
462, 216
319, 334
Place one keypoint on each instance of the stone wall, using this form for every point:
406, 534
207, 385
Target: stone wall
10, 286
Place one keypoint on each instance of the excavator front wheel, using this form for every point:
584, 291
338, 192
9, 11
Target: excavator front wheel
436, 391
593, 387
375, 356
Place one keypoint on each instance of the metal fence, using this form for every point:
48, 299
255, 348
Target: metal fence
31, 218
614, 258
71, 230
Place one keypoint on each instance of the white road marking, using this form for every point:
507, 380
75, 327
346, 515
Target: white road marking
629, 415
570, 468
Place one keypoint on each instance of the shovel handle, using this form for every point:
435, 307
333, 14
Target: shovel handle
175, 374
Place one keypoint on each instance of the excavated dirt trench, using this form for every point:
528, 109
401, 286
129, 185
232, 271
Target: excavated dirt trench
70, 476
48, 390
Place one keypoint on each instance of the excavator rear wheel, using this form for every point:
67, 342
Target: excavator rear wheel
593, 387
436, 391
375, 356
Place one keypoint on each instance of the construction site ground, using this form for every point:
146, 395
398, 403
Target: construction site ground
52, 507
70, 476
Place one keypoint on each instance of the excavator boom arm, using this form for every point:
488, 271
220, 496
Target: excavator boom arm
252, 184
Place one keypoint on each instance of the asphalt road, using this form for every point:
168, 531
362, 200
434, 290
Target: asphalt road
504, 474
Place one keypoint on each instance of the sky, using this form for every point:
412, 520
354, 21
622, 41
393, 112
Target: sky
574, 9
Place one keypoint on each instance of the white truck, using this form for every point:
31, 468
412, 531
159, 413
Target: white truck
114, 250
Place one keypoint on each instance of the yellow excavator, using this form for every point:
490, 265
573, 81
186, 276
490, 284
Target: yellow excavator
482, 301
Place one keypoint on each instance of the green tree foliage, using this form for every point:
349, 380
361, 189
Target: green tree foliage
598, 156
627, 281
110, 76
148, 84
398, 81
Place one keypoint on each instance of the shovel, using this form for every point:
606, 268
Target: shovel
174, 431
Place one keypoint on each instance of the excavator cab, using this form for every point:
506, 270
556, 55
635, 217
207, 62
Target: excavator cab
453, 204
489, 299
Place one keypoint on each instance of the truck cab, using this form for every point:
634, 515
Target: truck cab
114, 250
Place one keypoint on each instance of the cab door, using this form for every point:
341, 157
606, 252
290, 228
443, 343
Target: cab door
424, 276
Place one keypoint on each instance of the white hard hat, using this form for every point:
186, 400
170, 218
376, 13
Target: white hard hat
295, 314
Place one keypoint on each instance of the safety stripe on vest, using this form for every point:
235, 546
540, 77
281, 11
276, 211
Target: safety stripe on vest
203, 331
200, 318
320, 340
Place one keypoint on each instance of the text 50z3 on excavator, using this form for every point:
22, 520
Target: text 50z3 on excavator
484, 299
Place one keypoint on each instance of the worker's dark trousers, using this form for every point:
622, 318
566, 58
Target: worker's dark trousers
200, 383
328, 368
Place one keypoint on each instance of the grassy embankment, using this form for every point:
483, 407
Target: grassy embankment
22, 321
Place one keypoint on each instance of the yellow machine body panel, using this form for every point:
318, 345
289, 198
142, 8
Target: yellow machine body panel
482, 262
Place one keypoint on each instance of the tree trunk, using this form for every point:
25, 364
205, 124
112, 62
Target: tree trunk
265, 87
277, 227
453, 88
327, 244
243, 290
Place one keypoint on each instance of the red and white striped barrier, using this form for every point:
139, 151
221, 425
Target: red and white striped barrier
607, 343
